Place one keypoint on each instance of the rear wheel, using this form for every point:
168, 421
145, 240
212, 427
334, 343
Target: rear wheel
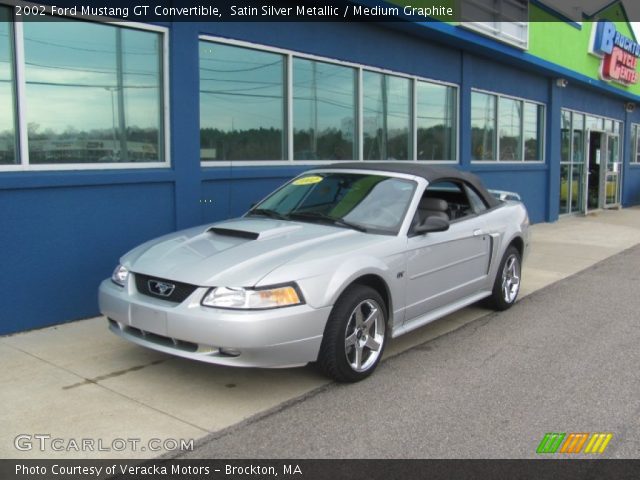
355, 335
507, 284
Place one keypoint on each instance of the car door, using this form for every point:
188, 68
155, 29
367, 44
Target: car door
443, 267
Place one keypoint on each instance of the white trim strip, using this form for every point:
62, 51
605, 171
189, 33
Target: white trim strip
288, 96
20, 103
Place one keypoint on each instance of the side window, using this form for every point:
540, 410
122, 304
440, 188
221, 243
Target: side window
477, 203
445, 199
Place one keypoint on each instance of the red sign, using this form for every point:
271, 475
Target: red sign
620, 66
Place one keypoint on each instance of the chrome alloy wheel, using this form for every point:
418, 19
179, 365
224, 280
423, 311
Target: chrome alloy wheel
511, 278
364, 335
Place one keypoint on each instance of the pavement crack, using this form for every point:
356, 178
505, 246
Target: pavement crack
117, 373
490, 357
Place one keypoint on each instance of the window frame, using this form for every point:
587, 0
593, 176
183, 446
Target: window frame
542, 137
21, 102
360, 68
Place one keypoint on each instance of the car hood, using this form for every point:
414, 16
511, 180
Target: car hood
236, 252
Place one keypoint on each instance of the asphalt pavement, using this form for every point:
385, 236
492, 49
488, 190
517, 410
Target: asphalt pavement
565, 358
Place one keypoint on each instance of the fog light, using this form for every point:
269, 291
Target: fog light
230, 352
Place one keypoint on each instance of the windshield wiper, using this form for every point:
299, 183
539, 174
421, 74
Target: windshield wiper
327, 218
267, 212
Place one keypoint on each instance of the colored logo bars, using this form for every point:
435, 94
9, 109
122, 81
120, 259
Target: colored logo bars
573, 443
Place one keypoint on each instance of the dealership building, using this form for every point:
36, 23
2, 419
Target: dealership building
114, 133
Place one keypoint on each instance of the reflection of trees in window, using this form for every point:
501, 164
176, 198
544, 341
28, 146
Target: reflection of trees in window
510, 122
7, 92
255, 143
636, 144
386, 117
483, 121
242, 106
94, 93
436, 130
519, 132
532, 128
324, 116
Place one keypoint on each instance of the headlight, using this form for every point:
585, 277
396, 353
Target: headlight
120, 275
249, 299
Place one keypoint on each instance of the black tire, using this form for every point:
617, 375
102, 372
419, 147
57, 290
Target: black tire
337, 359
505, 291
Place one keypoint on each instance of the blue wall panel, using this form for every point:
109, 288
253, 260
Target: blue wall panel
488, 75
631, 186
530, 183
57, 244
591, 101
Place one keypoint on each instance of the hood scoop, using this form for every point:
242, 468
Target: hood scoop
260, 231
230, 232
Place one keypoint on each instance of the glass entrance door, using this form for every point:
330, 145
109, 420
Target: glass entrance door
590, 162
612, 170
595, 146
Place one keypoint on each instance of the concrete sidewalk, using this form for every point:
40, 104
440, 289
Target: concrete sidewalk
77, 381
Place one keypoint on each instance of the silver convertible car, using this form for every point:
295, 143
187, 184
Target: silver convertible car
326, 269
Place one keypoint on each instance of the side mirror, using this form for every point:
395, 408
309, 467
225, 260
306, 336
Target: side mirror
432, 224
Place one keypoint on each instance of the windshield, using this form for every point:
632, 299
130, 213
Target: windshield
371, 203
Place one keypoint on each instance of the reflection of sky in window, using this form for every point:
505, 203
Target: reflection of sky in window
509, 121
397, 108
434, 105
482, 110
6, 89
240, 89
509, 117
71, 76
330, 88
530, 121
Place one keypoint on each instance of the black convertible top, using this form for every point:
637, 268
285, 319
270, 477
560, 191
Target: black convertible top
431, 173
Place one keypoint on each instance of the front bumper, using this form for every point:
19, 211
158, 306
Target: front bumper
276, 338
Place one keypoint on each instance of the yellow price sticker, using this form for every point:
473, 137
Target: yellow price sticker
308, 180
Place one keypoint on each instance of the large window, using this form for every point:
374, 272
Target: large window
386, 117
90, 94
94, 93
242, 108
635, 145
436, 121
324, 111
8, 150
505, 129
266, 104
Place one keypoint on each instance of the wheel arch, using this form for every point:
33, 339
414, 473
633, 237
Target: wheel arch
518, 243
379, 285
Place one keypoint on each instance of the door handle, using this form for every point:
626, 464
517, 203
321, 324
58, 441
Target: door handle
477, 233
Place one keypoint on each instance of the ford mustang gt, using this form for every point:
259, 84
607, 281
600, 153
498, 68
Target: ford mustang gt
326, 269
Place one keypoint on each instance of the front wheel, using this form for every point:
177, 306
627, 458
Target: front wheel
355, 335
507, 283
